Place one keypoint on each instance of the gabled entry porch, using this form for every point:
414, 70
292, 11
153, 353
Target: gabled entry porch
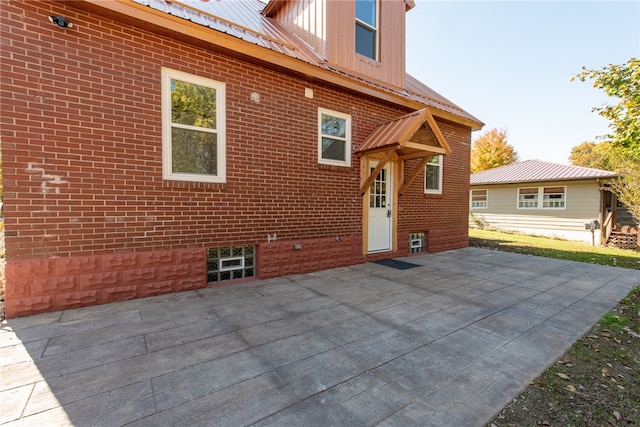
383, 177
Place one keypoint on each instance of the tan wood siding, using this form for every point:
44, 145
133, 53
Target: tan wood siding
582, 206
329, 27
306, 19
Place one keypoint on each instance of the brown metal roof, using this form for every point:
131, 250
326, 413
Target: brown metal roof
537, 171
243, 19
240, 19
415, 134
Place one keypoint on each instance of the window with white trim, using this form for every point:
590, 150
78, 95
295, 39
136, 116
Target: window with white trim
479, 199
433, 175
552, 198
367, 28
193, 128
527, 198
334, 138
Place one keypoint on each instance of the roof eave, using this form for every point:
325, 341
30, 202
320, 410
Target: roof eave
169, 25
591, 178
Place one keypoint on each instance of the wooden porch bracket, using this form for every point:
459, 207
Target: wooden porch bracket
376, 171
413, 175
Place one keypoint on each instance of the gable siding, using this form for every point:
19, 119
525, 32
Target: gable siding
307, 20
89, 218
329, 27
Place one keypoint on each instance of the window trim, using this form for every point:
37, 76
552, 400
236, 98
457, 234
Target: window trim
440, 165
486, 198
540, 198
346, 139
167, 75
564, 197
375, 29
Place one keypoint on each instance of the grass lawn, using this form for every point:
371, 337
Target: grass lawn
554, 248
597, 381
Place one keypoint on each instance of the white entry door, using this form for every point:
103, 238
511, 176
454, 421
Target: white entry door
380, 213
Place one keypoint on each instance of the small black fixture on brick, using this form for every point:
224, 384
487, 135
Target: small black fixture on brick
60, 21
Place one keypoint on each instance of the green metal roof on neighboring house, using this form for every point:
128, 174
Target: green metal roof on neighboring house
537, 171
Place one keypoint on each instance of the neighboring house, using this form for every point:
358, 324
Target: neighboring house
157, 146
547, 199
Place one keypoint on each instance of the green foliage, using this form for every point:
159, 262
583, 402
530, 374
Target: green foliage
592, 155
627, 186
492, 150
623, 83
611, 319
621, 150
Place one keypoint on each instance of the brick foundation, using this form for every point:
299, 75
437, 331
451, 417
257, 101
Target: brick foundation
41, 285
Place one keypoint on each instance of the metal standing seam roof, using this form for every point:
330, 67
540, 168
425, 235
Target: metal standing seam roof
397, 132
244, 20
537, 171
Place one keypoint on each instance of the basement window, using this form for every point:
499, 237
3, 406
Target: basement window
233, 262
416, 243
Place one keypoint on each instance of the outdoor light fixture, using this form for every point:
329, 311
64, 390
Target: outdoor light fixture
60, 21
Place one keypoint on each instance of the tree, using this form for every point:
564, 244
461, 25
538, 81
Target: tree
623, 83
627, 186
491, 150
623, 151
592, 155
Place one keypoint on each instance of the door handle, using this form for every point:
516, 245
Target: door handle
388, 213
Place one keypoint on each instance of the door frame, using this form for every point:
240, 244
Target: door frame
395, 167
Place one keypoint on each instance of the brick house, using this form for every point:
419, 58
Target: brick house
154, 146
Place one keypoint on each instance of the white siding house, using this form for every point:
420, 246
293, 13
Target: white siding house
540, 198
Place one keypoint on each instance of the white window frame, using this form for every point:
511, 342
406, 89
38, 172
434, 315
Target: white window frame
562, 200
483, 205
440, 165
536, 195
167, 168
540, 198
346, 139
376, 32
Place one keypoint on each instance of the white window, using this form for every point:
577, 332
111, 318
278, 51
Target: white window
433, 176
334, 138
479, 199
527, 198
193, 128
552, 198
367, 28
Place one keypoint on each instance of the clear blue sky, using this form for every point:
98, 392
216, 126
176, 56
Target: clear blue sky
510, 64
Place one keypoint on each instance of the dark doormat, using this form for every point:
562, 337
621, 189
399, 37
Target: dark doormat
397, 264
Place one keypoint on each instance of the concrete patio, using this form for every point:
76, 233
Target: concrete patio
447, 343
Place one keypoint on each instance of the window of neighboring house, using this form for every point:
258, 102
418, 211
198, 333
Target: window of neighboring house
433, 176
479, 199
553, 198
527, 198
367, 28
334, 138
193, 128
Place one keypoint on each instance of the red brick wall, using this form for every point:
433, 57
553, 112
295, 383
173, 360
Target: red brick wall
443, 217
82, 158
